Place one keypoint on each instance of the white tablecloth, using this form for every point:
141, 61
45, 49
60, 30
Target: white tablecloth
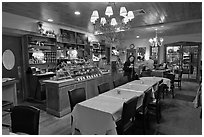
157, 79
99, 114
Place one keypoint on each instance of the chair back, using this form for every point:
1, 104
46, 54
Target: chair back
146, 74
76, 96
146, 100
104, 87
158, 92
171, 77
157, 74
25, 119
124, 80
117, 83
180, 73
129, 110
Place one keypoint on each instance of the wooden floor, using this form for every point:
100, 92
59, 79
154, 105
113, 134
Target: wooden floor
51, 125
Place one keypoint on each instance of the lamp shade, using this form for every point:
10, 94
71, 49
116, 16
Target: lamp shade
123, 11
95, 14
113, 22
130, 15
103, 20
109, 11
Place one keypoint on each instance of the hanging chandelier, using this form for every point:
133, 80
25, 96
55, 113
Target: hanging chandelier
156, 42
110, 22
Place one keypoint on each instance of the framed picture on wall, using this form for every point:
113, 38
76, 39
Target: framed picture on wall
141, 51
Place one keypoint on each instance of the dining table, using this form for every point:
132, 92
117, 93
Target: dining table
98, 115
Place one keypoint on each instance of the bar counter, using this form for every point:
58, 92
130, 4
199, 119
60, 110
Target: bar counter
57, 100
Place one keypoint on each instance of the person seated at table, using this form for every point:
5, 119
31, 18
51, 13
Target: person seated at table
129, 70
149, 64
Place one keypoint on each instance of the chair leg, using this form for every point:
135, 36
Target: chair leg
180, 85
172, 90
201, 113
158, 114
144, 124
72, 120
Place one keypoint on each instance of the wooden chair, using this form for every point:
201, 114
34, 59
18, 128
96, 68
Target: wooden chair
142, 112
25, 119
179, 78
117, 83
104, 87
171, 77
127, 120
124, 80
146, 74
76, 96
154, 106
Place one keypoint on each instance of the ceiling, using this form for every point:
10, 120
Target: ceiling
171, 18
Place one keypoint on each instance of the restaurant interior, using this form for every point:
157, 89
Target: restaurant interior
101, 68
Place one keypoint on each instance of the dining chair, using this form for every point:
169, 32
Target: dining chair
142, 111
179, 78
127, 119
171, 77
76, 95
25, 119
104, 87
145, 74
157, 74
117, 83
154, 106
124, 80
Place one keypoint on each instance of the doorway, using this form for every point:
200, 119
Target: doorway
186, 56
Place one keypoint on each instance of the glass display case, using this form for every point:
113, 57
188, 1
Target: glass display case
76, 69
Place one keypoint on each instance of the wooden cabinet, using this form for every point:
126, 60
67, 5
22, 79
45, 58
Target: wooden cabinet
68, 41
39, 57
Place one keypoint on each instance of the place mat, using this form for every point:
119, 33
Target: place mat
184, 97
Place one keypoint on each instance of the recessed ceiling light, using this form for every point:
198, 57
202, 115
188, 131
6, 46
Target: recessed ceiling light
162, 26
137, 36
50, 20
77, 13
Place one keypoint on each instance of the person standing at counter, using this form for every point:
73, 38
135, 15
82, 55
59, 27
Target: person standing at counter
129, 70
102, 63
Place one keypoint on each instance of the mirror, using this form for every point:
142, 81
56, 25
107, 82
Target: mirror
8, 59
